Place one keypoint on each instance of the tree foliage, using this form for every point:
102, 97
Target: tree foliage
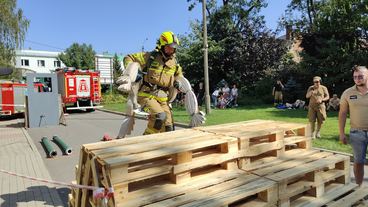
79, 56
240, 48
13, 27
334, 38
117, 67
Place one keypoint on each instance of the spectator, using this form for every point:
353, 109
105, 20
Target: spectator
226, 91
200, 94
234, 95
221, 101
298, 104
334, 103
317, 95
354, 101
215, 96
277, 92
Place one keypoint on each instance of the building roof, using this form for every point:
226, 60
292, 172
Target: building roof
37, 53
41, 53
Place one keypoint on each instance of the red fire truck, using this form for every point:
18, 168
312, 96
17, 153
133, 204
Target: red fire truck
12, 97
79, 89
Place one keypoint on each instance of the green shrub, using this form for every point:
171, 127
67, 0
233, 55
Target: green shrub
109, 98
260, 93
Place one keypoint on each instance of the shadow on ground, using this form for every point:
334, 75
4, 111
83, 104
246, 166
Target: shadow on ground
34, 193
63, 193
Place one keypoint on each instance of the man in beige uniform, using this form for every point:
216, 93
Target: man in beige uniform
317, 95
277, 92
354, 101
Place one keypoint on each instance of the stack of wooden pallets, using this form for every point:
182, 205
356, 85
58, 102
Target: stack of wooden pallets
253, 163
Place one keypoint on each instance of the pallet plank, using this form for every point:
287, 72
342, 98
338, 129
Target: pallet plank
358, 194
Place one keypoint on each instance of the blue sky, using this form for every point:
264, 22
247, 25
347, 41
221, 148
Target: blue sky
116, 26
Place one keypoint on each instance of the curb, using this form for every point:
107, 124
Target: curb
29, 139
182, 125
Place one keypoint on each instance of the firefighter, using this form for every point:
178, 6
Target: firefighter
159, 76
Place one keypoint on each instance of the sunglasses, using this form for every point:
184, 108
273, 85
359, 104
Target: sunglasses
358, 77
315, 81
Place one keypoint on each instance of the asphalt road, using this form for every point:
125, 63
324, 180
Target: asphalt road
81, 128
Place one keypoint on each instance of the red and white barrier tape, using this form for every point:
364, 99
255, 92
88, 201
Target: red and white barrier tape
101, 193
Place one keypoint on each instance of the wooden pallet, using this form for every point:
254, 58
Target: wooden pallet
132, 164
83, 171
174, 161
216, 188
259, 139
308, 177
356, 197
253, 163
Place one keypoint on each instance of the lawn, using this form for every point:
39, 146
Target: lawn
329, 130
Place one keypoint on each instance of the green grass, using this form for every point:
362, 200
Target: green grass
329, 130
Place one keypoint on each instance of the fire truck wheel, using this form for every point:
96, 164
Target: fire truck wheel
90, 110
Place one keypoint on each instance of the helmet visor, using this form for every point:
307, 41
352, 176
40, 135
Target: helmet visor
173, 45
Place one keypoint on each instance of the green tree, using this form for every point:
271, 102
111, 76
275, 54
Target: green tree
79, 56
334, 41
117, 67
241, 48
13, 27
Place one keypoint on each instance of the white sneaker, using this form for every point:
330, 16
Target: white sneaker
139, 112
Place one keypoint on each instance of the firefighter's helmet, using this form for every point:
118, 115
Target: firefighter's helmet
168, 38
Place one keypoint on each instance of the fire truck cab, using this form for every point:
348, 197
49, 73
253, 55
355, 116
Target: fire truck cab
12, 97
79, 89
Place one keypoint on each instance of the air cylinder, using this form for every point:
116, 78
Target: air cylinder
64, 147
50, 151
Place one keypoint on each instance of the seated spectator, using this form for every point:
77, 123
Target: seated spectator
221, 101
334, 103
226, 91
298, 104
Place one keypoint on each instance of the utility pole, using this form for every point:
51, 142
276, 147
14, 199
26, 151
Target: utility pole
205, 49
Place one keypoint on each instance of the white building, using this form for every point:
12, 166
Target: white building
37, 61
46, 62
104, 64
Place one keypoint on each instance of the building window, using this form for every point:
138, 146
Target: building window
41, 63
57, 64
25, 62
